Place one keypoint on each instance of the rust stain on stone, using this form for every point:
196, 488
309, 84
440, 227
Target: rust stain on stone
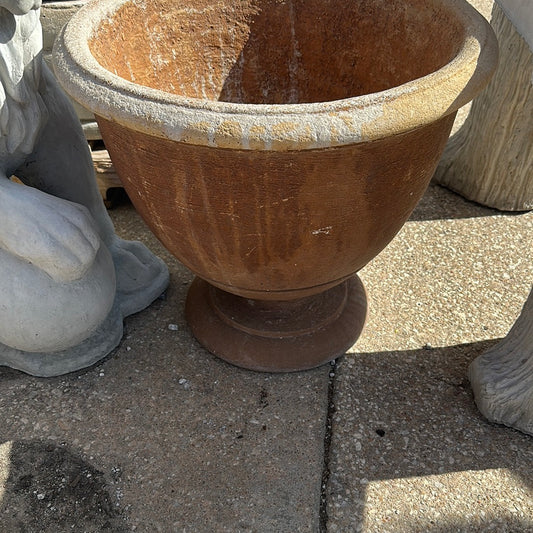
255, 140
334, 134
284, 135
196, 132
282, 129
305, 137
348, 121
229, 135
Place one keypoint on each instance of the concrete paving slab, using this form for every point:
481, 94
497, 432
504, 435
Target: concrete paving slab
161, 436
409, 451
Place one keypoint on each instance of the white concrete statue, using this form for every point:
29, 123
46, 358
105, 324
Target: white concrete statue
66, 279
502, 378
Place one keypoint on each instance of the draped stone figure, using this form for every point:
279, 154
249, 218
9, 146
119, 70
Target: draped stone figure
66, 279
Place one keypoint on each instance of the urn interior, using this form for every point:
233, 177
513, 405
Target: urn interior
275, 51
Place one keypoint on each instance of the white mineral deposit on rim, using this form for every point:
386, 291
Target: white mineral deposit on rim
292, 126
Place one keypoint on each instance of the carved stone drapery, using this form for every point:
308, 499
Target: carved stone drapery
66, 279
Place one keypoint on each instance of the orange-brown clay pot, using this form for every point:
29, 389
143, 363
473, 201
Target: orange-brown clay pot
275, 146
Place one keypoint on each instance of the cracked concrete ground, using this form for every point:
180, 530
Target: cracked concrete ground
162, 436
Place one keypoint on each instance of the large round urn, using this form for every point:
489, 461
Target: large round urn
275, 146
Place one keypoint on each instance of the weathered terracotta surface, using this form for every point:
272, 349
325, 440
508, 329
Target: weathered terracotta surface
275, 147
275, 225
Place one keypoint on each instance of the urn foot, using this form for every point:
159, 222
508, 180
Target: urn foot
277, 336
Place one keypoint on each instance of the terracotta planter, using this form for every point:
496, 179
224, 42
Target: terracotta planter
275, 147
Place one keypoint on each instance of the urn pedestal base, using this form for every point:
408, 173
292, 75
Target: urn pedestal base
277, 336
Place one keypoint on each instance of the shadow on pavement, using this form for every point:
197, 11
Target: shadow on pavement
49, 489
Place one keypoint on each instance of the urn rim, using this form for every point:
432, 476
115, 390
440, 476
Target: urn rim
354, 120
